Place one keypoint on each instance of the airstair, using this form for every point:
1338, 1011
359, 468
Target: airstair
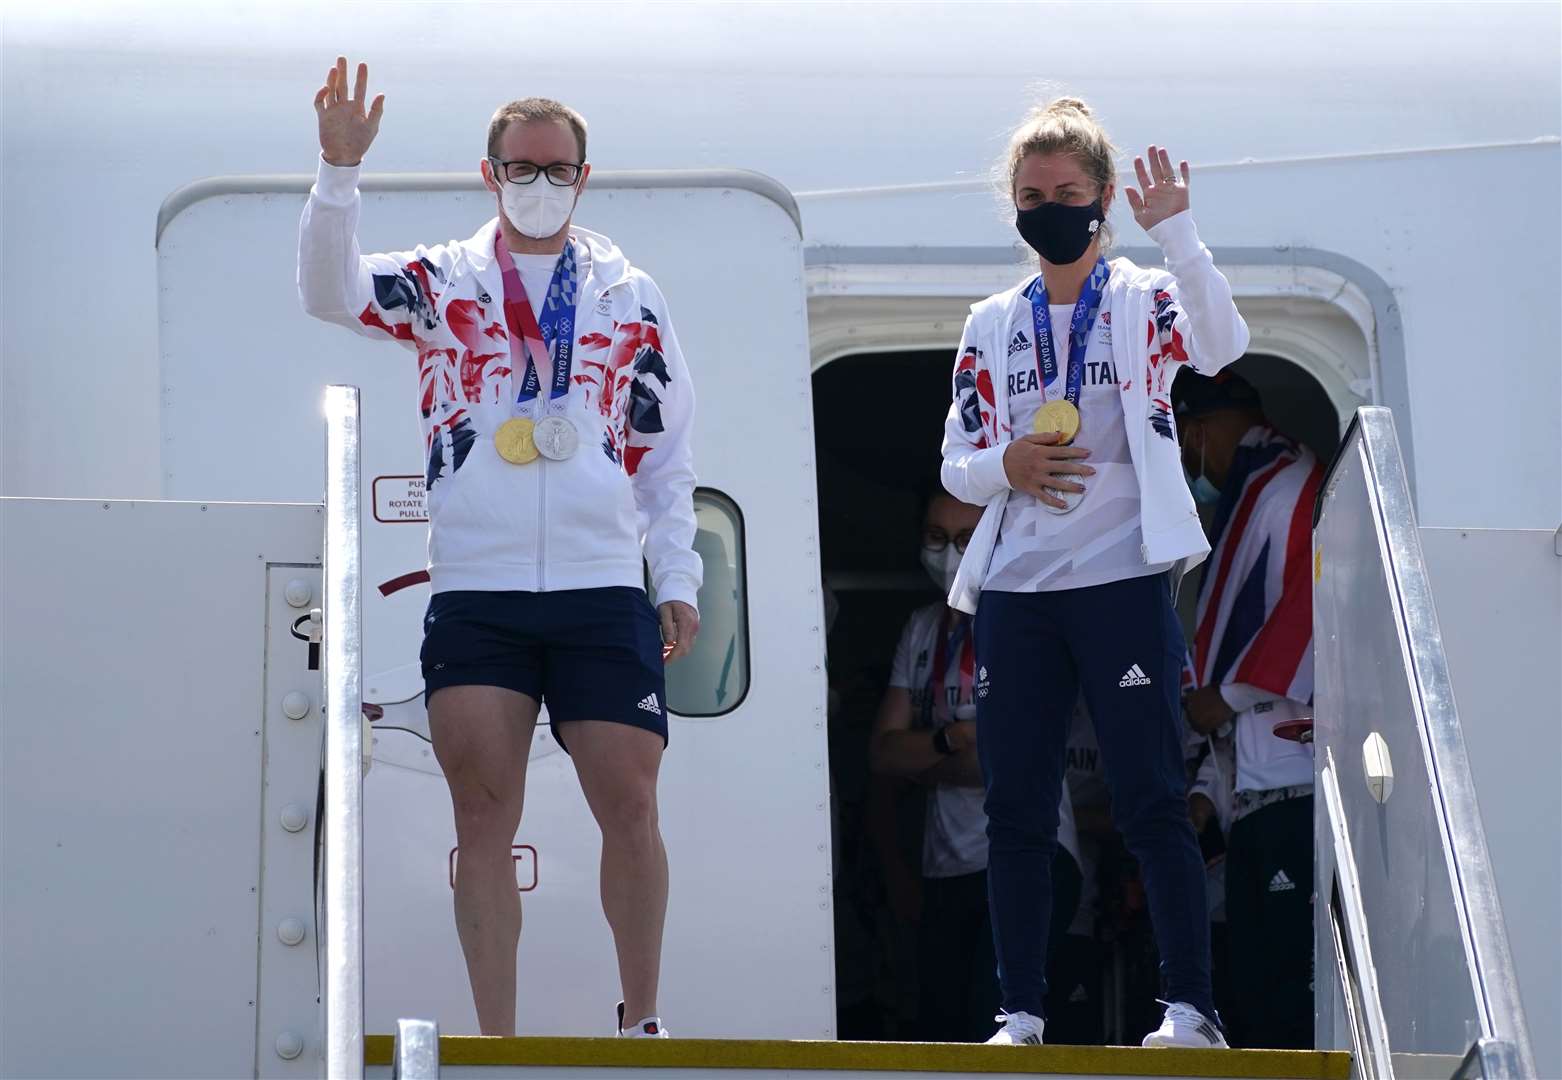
1407, 918
1415, 974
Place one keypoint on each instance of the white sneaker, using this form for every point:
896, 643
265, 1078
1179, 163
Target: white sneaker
648, 1028
1185, 1026
1019, 1029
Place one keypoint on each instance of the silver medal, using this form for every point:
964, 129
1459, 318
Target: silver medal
556, 438
1071, 499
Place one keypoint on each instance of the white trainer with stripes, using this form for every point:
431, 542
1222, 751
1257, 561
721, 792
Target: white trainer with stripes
1185, 1026
1019, 1029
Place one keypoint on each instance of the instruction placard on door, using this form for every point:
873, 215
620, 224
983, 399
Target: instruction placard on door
399, 499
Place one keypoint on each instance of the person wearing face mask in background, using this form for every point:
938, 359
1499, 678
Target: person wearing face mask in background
1253, 669
556, 412
1061, 428
926, 733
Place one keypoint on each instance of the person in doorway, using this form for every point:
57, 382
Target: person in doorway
1061, 427
556, 411
1253, 668
926, 732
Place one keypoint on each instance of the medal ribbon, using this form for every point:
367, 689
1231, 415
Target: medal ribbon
553, 337
958, 642
1078, 332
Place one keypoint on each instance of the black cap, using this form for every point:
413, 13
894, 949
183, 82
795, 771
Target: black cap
1195, 395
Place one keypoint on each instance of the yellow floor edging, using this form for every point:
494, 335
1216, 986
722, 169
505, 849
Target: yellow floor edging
877, 1057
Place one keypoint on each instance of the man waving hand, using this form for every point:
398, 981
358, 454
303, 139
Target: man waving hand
556, 414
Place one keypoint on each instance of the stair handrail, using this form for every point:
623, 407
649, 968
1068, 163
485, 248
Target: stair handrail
341, 935
1372, 438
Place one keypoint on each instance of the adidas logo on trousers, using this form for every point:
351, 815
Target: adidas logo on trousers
1134, 676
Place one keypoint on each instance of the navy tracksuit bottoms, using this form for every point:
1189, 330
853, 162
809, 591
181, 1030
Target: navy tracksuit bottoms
1122, 645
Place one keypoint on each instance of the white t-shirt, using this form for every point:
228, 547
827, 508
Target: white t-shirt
1100, 539
1264, 760
536, 274
955, 837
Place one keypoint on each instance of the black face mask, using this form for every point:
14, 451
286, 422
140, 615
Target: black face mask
1060, 234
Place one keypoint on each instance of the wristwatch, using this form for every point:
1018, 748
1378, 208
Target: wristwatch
941, 741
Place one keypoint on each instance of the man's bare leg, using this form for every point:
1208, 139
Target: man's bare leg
617, 765
482, 738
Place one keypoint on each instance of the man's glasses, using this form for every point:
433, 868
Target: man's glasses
938, 541
559, 174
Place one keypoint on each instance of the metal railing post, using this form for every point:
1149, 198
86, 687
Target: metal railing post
1353, 942
342, 934
417, 1050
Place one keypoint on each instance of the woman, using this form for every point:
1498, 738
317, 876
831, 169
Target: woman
1062, 429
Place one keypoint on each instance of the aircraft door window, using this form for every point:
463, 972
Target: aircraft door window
713, 679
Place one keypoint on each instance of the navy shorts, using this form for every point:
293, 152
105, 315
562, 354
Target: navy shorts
588, 654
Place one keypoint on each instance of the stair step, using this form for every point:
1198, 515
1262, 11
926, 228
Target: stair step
463, 1055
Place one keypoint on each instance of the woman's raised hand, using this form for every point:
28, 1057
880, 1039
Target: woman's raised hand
346, 128
1162, 193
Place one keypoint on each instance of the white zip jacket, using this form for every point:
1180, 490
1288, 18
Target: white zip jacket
547, 525
1189, 320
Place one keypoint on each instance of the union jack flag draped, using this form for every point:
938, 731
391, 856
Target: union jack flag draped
1254, 621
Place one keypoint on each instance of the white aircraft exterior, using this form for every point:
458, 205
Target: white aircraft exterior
1381, 183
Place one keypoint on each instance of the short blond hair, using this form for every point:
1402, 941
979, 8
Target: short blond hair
535, 108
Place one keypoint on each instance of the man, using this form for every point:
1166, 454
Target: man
1253, 667
556, 412
926, 733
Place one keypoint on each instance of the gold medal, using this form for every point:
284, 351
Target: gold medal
514, 441
1059, 416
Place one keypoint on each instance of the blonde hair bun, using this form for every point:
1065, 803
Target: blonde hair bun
1066, 104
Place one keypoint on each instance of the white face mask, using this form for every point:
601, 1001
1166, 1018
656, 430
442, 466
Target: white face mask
538, 209
942, 566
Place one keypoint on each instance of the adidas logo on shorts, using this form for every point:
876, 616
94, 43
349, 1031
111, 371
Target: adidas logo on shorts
650, 704
1134, 676
1281, 882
